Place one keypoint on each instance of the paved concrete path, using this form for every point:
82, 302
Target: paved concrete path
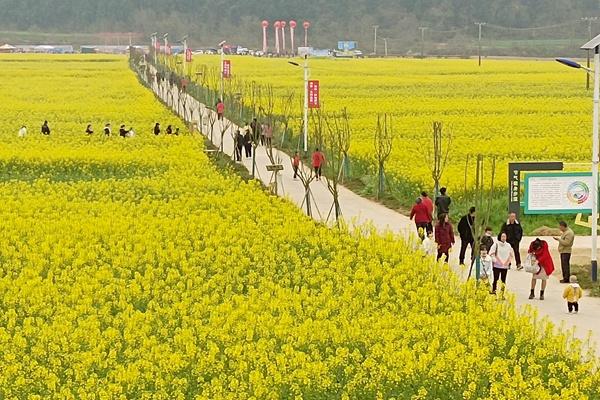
359, 210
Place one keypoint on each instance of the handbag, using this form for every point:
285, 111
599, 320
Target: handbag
531, 265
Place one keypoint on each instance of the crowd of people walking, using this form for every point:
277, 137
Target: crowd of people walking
494, 255
106, 130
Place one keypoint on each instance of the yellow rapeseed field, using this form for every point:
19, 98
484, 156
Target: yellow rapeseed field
134, 269
515, 110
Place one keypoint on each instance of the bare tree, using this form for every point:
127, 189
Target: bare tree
225, 126
285, 113
483, 196
212, 120
336, 141
384, 141
438, 153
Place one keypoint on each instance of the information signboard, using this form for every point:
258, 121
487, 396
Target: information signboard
558, 193
313, 94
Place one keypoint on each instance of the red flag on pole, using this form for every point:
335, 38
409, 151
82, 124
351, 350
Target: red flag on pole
313, 94
226, 68
188, 55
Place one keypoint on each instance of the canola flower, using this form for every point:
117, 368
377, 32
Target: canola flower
515, 110
133, 269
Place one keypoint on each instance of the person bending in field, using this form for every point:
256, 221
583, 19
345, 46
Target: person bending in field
156, 129
122, 131
45, 128
107, 130
89, 130
23, 131
318, 160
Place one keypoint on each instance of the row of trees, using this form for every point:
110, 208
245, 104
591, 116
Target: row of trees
208, 22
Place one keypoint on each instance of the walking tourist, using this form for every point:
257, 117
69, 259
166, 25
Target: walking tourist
267, 135
503, 256
156, 129
296, 164
318, 160
465, 230
487, 239
565, 247
22, 131
429, 246
220, 109
572, 294
247, 143
421, 215
169, 130
45, 128
239, 145
444, 237
486, 266
539, 249
514, 234
429, 204
442, 202
89, 130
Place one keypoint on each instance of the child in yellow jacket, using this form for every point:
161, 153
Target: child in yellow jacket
572, 294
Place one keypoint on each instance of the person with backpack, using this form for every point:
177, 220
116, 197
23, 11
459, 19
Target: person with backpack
465, 230
514, 234
122, 131
442, 202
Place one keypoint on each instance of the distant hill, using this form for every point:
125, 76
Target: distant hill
207, 22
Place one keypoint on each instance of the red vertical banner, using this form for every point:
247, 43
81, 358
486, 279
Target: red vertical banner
168, 50
156, 44
313, 94
226, 68
188, 55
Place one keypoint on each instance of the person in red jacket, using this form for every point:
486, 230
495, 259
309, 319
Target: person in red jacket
422, 217
318, 160
429, 203
444, 236
220, 109
539, 249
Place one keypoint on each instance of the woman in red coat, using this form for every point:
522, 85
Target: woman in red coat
539, 249
444, 236
422, 217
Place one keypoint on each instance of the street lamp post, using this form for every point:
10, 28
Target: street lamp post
306, 76
479, 44
222, 89
593, 44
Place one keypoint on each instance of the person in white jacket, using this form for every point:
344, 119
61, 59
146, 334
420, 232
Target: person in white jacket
23, 131
486, 264
429, 246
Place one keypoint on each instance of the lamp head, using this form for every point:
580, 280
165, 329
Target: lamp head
569, 63
222, 43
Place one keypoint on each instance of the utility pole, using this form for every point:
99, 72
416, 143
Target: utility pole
589, 21
154, 39
385, 46
375, 27
166, 37
306, 75
479, 46
422, 29
222, 89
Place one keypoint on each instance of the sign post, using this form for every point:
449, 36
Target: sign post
188, 55
514, 180
313, 94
